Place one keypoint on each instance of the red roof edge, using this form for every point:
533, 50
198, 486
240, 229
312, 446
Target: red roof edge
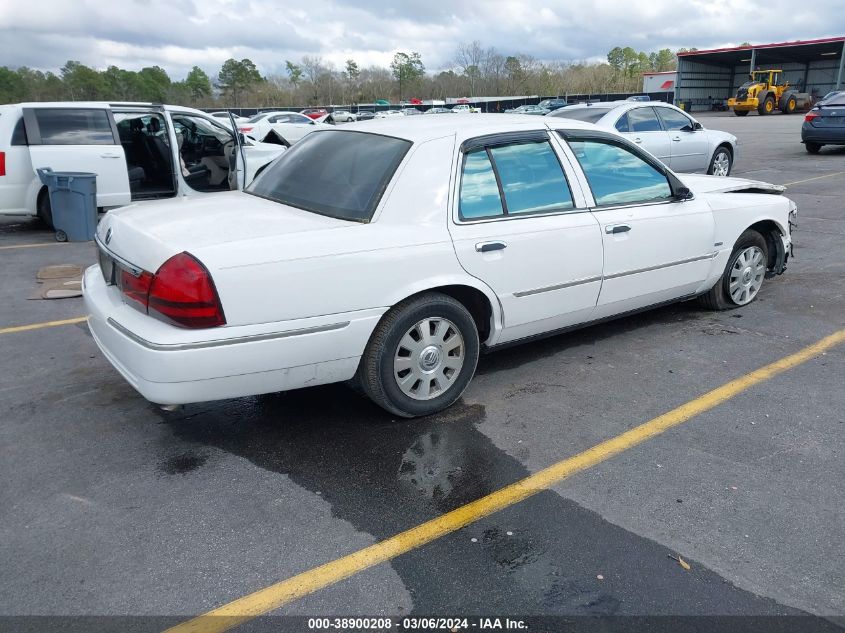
826, 40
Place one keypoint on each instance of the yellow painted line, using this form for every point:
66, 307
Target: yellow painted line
40, 326
13, 246
798, 182
278, 595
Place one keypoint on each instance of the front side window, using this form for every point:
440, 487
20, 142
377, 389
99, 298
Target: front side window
341, 174
644, 120
528, 174
619, 176
66, 126
674, 120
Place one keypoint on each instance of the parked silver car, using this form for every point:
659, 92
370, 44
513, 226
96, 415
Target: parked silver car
667, 132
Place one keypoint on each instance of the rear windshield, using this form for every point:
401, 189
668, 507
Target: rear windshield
588, 115
837, 100
257, 117
342, 174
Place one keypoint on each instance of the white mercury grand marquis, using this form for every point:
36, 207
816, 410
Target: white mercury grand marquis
390, 253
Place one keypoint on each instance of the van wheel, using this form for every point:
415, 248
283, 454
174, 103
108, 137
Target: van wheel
421, 356
43, 208
740, 283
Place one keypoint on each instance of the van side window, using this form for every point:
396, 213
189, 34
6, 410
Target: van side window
19, 134
66, 126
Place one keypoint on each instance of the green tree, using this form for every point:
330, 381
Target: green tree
352, 71
665, 60
406, 68
12, 88
198, 84
154, 83
83, 83
237, 78
616, 58
294, 73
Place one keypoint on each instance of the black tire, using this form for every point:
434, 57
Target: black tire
741, 112
375, 373
43, 208
61, 236
719, 297
812, 148
721, 152
789, 105
767, 106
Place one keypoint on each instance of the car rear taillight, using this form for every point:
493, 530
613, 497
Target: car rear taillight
181, 293
810, 116
245, 130
2, 163
136, 289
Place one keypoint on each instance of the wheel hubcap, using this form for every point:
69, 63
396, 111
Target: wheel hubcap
747, 275
721, 164
429, 358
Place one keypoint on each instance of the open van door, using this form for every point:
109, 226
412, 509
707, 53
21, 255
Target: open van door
237, 159
80, 139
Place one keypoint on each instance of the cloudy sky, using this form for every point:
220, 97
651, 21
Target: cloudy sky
177, 34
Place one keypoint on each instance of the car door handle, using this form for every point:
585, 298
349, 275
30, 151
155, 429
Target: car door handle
677, 139
486, 247
616, 228
638, 140
109, 155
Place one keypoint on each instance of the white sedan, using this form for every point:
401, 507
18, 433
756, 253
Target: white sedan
393, 253
668, 132
285, 128
344, 116
386, 114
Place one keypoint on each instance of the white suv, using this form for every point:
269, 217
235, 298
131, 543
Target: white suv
139, 151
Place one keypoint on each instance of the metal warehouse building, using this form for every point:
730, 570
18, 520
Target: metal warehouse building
814, 66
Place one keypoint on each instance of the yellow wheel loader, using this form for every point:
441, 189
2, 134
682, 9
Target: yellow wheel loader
765, 92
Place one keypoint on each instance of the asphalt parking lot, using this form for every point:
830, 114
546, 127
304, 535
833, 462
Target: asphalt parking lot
112, 507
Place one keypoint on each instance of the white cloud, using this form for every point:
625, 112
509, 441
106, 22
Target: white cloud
178, 34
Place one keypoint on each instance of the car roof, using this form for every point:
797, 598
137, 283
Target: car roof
419, 129
106, 104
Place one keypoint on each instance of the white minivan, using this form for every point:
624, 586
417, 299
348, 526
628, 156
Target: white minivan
139, 151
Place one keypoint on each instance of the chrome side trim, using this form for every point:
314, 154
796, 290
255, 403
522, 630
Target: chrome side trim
526, 293
173, 347
659, 266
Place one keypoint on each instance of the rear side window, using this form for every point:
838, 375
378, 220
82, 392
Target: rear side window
336, 173
527, 174
674, 120
19, 133
644, 120
479, 189
588, 115
617, 175
622, 124
65, 126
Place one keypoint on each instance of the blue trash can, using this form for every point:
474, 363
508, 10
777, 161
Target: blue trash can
73, 202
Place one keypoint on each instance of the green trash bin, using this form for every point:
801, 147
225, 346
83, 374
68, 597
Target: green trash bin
73, 202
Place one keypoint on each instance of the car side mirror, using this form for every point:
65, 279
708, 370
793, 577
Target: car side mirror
683, 193
241, 138
696, 126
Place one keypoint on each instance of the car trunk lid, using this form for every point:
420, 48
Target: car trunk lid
146, 235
